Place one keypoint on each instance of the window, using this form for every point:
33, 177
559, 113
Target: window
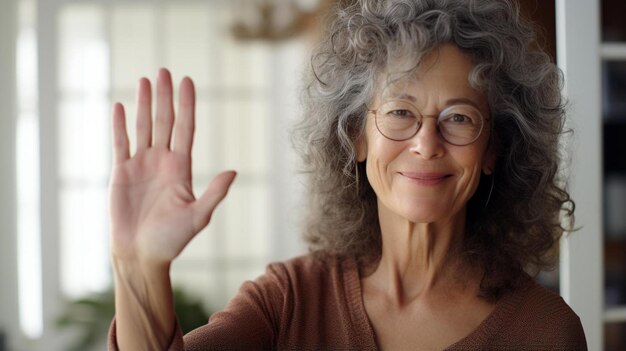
247, 95
103, 51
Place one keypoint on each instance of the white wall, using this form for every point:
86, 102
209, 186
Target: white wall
8, 246
582, 260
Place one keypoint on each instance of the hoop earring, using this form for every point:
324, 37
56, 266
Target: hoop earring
490, 191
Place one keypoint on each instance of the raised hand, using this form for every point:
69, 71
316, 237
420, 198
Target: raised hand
154, 213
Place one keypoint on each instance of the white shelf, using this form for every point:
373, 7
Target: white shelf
616, 314
613, 51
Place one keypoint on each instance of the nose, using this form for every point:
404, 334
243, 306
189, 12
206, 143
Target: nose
427, 142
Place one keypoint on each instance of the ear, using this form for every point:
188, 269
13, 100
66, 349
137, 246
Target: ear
489, 161
361, 148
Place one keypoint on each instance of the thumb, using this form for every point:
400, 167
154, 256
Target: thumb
212, 196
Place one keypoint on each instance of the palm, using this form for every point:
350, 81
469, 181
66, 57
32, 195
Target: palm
154, 212
150, 197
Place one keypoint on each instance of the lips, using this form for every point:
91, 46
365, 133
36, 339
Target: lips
425, 178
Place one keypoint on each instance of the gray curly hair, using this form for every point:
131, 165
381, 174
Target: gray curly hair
522, 223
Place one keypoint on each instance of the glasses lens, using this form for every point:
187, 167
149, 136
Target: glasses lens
397, 120
460, 124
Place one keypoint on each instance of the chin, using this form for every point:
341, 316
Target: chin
423, 219
424, 213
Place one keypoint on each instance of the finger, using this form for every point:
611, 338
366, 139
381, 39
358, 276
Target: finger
120, 137
144, 114
213, 195
185, 121
164, 110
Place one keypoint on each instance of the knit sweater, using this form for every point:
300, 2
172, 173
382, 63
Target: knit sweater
309, 304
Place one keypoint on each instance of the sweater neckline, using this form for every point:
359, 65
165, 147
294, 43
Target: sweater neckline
354, 296
489, 327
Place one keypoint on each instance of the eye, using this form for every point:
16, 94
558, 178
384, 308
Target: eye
401, 114
458, 118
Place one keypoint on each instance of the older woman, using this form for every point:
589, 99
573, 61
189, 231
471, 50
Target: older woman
431, 135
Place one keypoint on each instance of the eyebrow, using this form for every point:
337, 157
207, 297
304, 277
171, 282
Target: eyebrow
406, 96
450, 102
457, 101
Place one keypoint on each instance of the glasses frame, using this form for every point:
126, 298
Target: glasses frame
375, 112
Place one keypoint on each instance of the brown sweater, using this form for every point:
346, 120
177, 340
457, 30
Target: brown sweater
304, 304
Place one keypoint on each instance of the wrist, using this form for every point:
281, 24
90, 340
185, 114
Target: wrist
144, 304
137, 259
135, 273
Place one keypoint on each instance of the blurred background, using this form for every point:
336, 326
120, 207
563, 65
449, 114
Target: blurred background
64, 62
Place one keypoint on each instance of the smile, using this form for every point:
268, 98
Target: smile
425, 178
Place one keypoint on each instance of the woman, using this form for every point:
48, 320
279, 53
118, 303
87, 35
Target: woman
431, 133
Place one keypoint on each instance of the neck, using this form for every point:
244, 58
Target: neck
420, 259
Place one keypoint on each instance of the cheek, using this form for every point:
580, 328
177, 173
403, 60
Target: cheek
379, 147
380, 153
471, 162
380, 156
471, 183
377, 162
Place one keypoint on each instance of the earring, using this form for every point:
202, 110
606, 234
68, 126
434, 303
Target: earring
490, 191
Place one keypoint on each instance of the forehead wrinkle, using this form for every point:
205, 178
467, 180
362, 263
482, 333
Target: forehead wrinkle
461, 100
405, 89
401, 85
405, 96
400, 90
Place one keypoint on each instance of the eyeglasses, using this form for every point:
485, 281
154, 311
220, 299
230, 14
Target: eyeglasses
400, 120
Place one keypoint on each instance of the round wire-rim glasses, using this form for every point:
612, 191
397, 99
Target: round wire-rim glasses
399, 120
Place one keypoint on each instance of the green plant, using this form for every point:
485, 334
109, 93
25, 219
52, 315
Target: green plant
92, 316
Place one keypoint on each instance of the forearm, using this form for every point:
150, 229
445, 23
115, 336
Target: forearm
144, 307
153, 211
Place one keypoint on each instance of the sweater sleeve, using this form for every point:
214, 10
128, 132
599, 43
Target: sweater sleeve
542, 321
175, 345
556, 324
570, 335
250, 320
